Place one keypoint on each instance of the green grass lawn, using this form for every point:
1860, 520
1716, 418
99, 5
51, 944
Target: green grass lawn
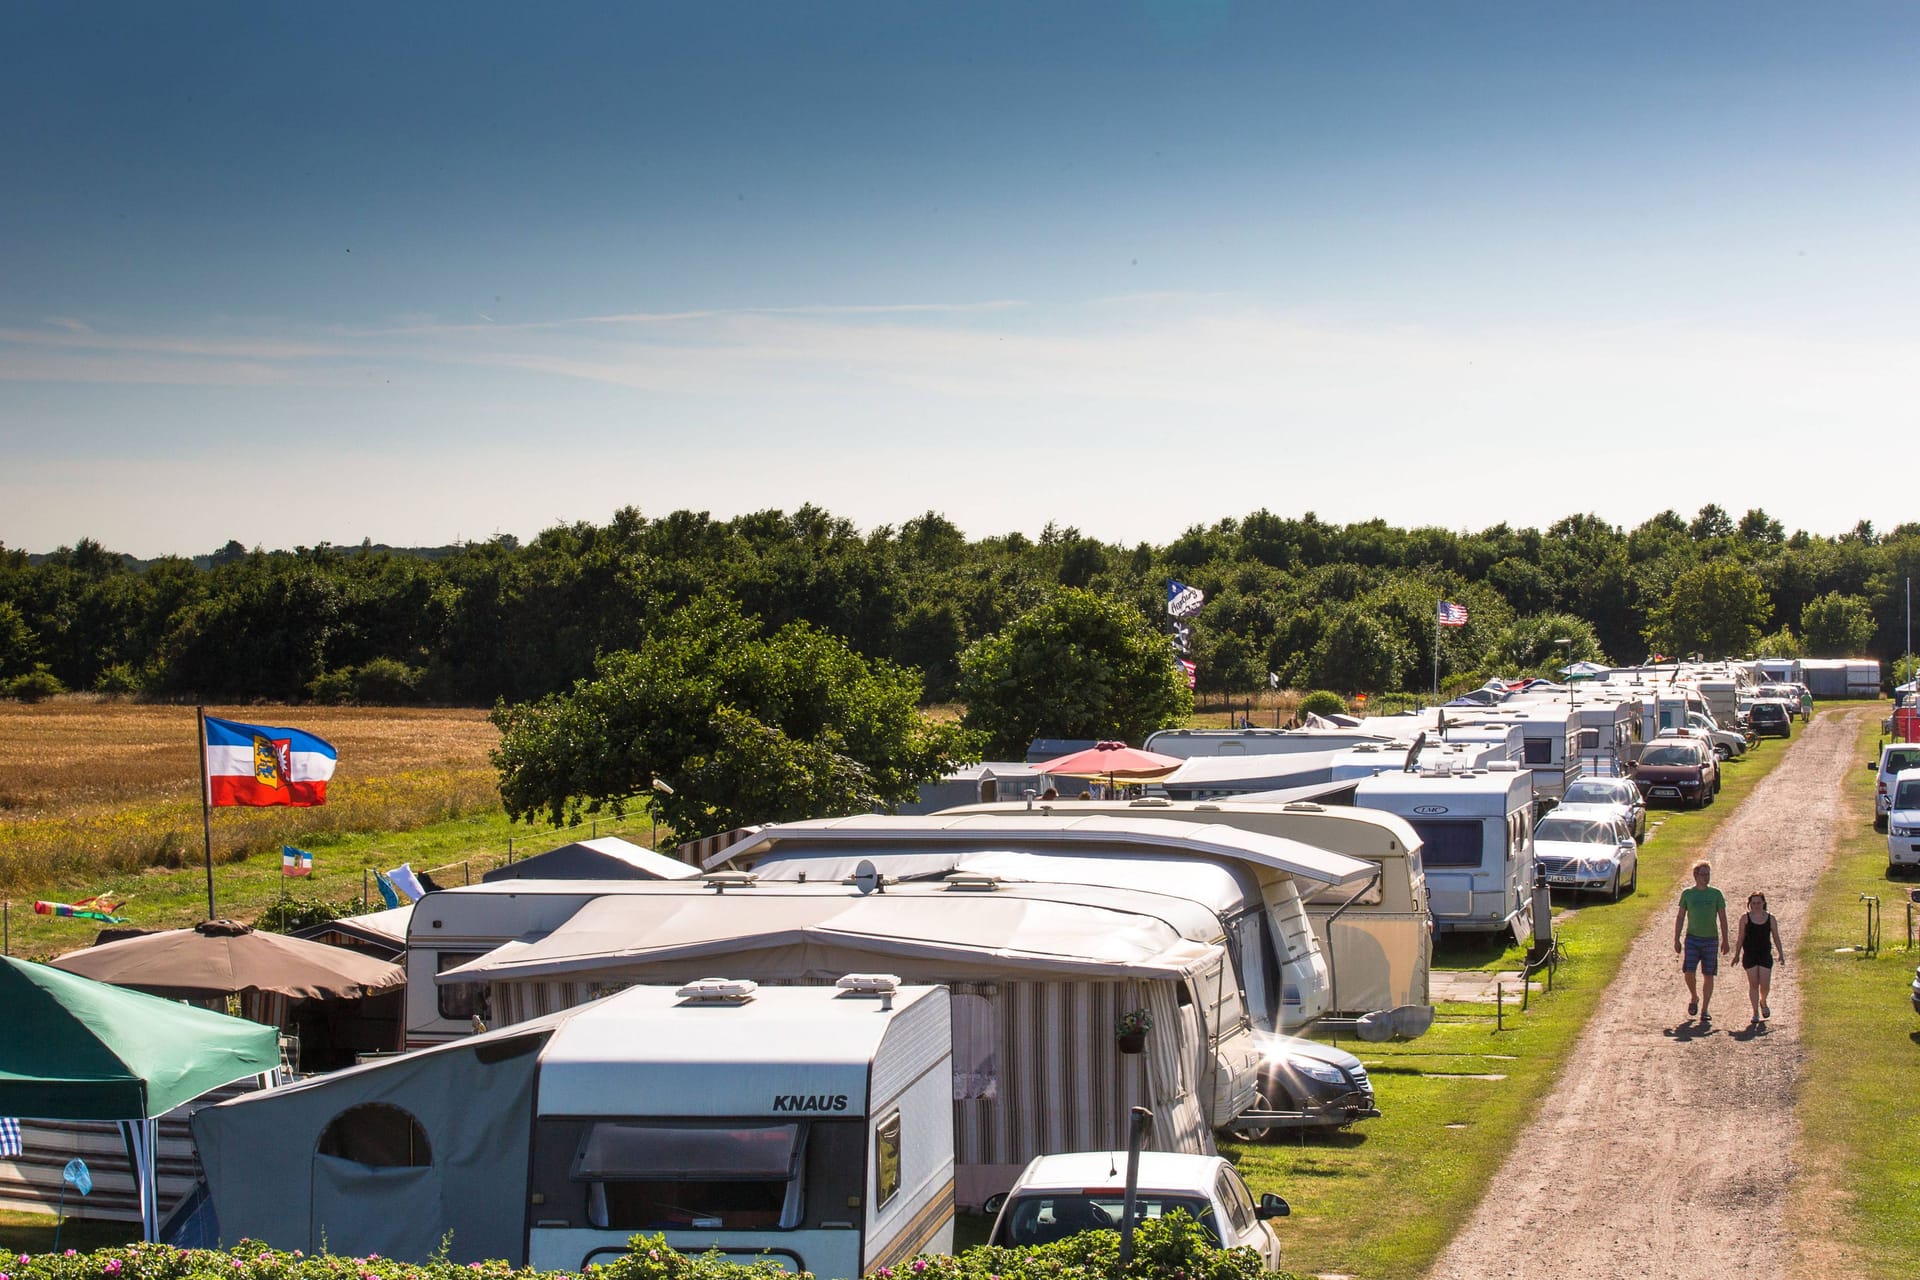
1859, 1111
459, 848
1383, 1200
34, 1233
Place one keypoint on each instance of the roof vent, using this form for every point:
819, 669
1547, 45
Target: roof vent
729, 991
1302, 806
1150, 802
1502, 766
869, 984
721, 881
971, 882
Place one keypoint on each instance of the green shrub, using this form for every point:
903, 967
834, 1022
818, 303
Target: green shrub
288, 914
120, 678
386, 682
335, 688
1171, 1248
1322, 702
36, 685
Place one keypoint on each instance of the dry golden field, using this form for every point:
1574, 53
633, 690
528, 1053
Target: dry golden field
92, 788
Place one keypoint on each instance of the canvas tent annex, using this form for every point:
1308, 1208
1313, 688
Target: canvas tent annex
605, 858
1043, 950
809, 1124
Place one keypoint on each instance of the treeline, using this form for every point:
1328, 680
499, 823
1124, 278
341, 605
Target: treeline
1346, 607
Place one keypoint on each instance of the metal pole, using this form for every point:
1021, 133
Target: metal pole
206, 804
1436, 651
1135, 1133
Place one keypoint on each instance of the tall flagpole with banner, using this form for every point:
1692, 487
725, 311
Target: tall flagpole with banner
206, 803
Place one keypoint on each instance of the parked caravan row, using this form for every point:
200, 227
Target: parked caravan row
1046, 929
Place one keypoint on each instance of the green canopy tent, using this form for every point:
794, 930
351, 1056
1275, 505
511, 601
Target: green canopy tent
76, 1049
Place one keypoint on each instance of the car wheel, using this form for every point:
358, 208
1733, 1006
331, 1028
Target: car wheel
1880, 824
1613, 889
1253, 1132
1633, 881
1723, 753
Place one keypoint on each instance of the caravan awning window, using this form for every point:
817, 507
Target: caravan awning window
627, 1151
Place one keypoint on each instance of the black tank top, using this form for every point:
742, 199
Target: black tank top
1756, 941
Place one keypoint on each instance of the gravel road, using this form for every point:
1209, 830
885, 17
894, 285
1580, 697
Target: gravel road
1667, 1150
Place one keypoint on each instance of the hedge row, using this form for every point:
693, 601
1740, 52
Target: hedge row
1172, 1249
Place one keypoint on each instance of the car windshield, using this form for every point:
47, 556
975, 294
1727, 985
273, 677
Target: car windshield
1908, 796
1899, 760
1574, 831
1597, 793
1768, 711
1042, 1217
1669, 755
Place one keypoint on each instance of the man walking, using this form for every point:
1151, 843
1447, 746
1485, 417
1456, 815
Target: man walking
1703, 915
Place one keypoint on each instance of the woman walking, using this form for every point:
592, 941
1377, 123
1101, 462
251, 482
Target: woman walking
1759, 944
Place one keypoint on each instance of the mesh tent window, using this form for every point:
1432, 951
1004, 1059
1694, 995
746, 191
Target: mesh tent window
377, 1134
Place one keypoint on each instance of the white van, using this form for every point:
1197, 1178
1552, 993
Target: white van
1476, 843
1903, 822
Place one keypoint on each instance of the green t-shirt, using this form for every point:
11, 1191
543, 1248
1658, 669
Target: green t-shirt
1703, 911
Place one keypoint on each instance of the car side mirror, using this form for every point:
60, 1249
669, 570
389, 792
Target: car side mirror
1272, 1206
995, 1202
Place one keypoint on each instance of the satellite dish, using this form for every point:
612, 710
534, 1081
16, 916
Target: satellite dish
866, 876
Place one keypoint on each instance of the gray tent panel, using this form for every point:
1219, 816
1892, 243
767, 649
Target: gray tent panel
607, 858
436, 1143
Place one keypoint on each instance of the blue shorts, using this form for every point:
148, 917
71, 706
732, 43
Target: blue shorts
1702, 954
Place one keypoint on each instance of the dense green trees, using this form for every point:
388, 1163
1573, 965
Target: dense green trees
1347, 607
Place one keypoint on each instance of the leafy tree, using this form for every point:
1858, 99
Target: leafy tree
1532, 644
1322, 702
1360, 652
1837, 626
1712, 522
1781, 644
1759, 528
1716, 609
1080, 665
744, 726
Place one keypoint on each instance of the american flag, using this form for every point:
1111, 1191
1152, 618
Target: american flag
1452, 615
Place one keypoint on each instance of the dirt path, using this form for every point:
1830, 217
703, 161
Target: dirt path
1665, 1150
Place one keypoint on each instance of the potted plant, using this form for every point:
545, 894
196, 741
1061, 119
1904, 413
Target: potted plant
1131, 1030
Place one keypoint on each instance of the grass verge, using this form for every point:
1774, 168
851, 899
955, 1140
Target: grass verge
1859, 1190
1383, 1200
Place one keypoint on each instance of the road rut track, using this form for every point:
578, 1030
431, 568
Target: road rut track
1667, 1151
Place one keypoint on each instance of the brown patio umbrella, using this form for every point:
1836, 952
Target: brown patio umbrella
220, 958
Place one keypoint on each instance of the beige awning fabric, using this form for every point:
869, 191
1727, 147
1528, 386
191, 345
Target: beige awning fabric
219, 958
977, 935
1055, 830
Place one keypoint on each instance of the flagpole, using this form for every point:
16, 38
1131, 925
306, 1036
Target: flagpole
1436, 651
206, 804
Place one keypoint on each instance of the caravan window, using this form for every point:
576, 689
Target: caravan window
1537, 751
1449, 844
886, 1160
464, 1000
661, 1176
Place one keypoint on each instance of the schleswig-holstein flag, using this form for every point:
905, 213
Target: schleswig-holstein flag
251, 764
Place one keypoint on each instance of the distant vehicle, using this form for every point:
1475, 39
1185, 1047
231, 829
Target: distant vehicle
1307, 1084
1622, 792
1063, 1195
1727, 744
1895, 758
1680, 770
1903, 823
1771, 718
1799, 701
1588, 847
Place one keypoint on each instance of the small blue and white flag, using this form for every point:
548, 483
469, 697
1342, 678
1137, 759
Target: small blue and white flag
1183, 601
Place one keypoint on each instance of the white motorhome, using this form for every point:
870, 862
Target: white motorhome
810, 1125
1376, 934
1212, 777
1471, 752
1476, 843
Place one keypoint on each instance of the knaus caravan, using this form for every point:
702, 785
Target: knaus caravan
1476, 843
810, 1125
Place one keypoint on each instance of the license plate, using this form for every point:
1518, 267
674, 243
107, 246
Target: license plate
1666, 792
1560, 879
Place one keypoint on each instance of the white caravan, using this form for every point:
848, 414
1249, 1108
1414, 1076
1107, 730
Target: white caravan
1476, 843
809, 1125
1190, 744
1212, 777
1381, 944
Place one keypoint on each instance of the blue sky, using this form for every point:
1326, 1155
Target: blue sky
417, 273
